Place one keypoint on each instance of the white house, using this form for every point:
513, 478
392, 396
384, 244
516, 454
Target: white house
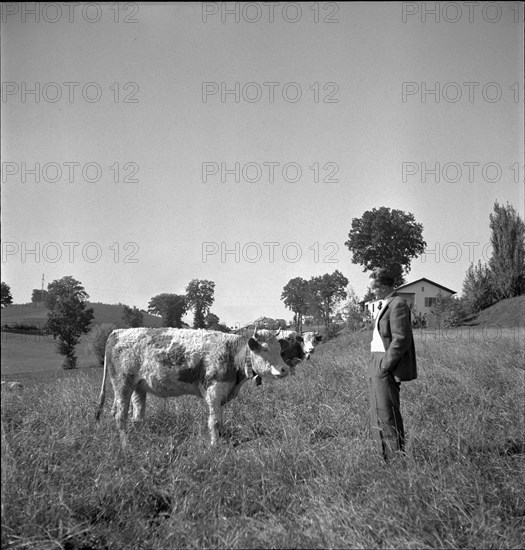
421, 295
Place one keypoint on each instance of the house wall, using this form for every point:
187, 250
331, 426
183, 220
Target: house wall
415, 295
424, 294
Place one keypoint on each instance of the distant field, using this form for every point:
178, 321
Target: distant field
104, 313
26, 354
33, 353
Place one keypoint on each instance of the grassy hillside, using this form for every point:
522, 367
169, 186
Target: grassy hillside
295, 468
507, 313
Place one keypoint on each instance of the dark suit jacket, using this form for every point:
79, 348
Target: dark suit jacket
395, 329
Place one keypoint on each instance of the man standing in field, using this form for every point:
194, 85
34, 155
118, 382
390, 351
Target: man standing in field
393, 361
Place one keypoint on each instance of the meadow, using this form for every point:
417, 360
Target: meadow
295, 468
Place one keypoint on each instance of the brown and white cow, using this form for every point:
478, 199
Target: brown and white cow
296, 347
169, 362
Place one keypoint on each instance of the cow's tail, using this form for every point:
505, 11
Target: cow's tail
102, 397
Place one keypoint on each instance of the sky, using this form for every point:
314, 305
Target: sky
144, 145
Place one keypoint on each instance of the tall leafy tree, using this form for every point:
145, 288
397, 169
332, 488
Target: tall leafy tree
295, 297
325, 292
508, 251
68, 317
200, 297
132, 317
5, 294
386, 238
171, 307
64, 288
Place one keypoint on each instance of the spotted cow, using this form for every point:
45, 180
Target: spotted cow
169, 362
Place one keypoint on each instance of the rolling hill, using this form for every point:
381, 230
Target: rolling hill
104, 313
507, 313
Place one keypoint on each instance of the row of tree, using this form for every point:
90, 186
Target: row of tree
504, 274
199, 297
317, 297
385, 238
502, 277
69, 318
381, 238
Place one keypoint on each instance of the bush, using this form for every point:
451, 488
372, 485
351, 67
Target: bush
478, 288
332, 331
419, 320
449, 311
132, 317
359, 320
69, 362
97, 340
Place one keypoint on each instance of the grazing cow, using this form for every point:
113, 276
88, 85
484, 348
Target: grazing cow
169, 362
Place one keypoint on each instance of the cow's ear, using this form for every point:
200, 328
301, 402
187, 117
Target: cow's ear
299, 339
253, 344
318, 338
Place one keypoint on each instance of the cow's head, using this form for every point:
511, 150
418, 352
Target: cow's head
311, 339
292, 351
266, 355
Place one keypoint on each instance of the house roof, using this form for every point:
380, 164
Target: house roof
428, 281
406, 285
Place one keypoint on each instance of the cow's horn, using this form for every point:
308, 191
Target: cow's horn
278, 332
255, 330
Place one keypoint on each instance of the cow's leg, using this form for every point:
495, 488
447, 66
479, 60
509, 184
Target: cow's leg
123, 393
138, 402
214, 397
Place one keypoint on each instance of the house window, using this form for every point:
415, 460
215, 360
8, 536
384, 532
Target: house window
429, 302
422, 289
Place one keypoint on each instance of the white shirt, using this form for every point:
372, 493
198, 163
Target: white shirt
377, 343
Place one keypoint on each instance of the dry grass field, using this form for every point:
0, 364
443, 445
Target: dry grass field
295, 468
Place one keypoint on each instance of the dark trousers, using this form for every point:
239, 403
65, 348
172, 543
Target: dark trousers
385, 414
